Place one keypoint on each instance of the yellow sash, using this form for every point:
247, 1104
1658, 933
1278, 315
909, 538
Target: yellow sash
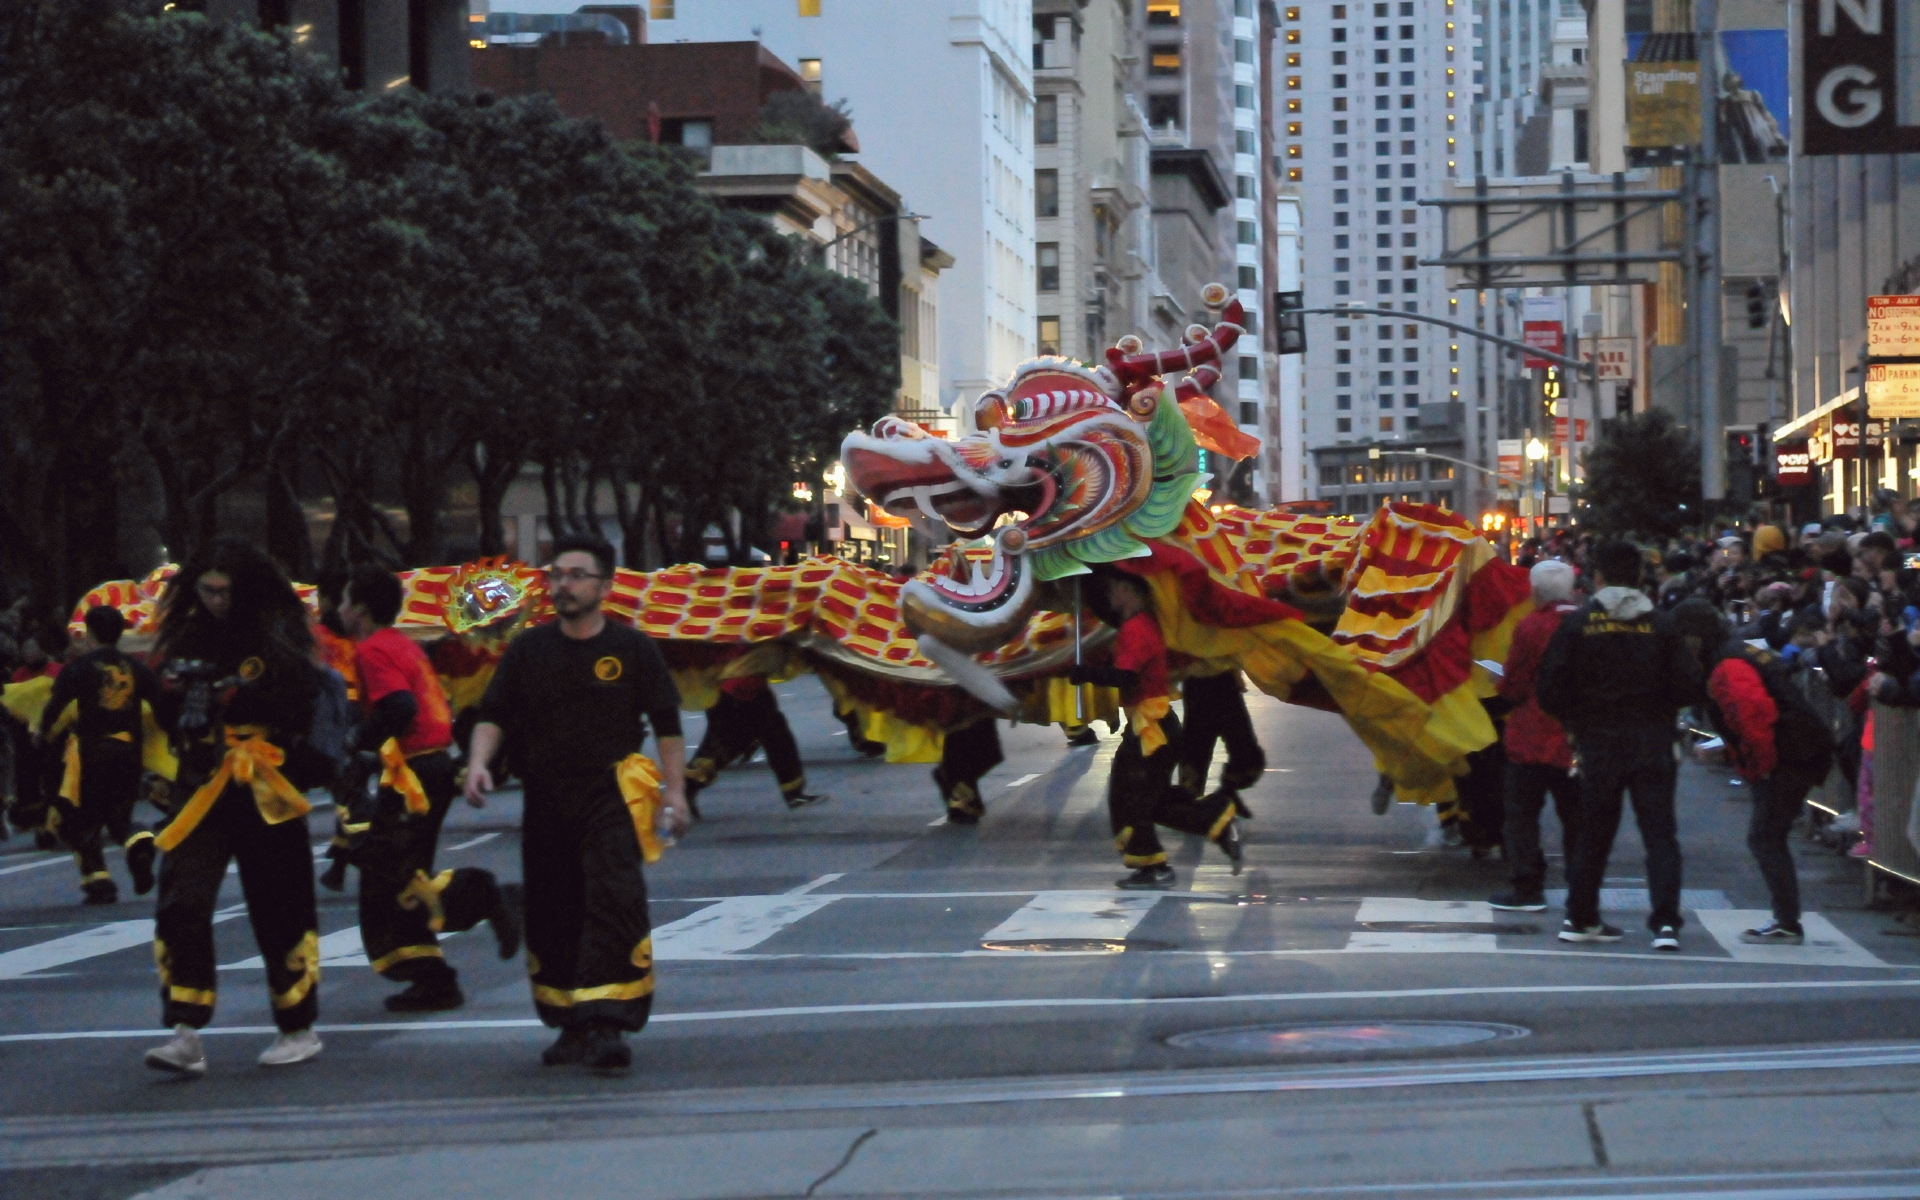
397, 774
253, 760
1144, 719
639, 783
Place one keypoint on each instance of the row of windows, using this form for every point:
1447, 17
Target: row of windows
1344, 287
1384, 217
1383, 471
1385, 379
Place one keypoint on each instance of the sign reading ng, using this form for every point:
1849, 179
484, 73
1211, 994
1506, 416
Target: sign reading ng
1851, 79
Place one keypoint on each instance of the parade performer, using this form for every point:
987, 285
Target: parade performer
745, 715
1140, 791
966, 755
572, 700
103, 703
335, 649
1216, 711
407, 730
234, 645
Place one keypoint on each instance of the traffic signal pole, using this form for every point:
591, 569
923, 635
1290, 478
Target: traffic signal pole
1706, 333
1581, 366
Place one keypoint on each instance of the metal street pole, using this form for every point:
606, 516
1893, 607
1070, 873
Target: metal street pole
1707, 332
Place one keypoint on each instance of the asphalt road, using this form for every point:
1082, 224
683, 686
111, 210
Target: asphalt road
859, 1000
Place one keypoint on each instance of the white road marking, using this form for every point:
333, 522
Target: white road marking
734, 925
1075, 915
110, 938
1819, 1058
1373, 941
1634, 900
936, 821
1398, 908
1826, 946
342, 948
45, 862
1023, 781
817, 884
470, 843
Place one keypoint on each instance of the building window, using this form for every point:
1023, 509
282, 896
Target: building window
810, 71
1243, 187
1296, 128
1249, 234
1163, 12
1293, 38
660, 10
1249, 278
1339, 149
1294, 152
1049, 338
1243, 141
1163, 110
1244, 97
1343, 378
1249, 368
1406, 170
1410, 379
1243, 51
809, 8
1046, 193
1163, 61
1293, 57
1340, 218
1046, 120
1342, 288
1386, 424
1249, 412
1329, 476
1047, 257
1343, 424
1339, 82
1343, 402
1293, 81
1343, 264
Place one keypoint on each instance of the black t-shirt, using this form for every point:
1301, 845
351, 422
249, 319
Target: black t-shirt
572, 708
107, 689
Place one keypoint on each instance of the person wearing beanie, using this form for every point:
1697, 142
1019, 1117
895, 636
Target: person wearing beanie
1768, 539
1539, 760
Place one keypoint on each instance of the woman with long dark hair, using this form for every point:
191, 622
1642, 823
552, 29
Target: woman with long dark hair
235, 648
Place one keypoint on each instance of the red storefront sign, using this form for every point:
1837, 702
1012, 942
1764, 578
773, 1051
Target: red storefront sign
1792, 464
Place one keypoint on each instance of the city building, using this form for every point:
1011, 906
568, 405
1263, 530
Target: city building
1376, 101
377, 44
1200, 85
942, 92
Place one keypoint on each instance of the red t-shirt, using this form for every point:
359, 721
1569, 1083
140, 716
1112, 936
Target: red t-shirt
24, 674
389, 662
1140, 649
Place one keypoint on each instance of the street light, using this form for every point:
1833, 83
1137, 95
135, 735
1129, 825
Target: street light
1536, 450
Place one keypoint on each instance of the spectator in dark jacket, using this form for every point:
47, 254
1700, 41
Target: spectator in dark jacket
1616, 674
1539, 760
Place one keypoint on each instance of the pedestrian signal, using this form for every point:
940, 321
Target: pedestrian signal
1291, 327
1757, 314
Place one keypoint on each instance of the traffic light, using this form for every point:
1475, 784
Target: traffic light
1493, 521
1291, 327
1550, 388
1757, 314
1740, 465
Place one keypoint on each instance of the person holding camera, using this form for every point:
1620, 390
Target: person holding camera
235, 648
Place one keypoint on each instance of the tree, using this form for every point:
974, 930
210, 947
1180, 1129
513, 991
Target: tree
1643, 477
800, 118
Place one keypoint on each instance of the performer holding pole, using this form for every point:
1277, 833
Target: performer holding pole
572, 700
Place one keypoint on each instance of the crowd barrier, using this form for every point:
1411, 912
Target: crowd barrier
1896, 769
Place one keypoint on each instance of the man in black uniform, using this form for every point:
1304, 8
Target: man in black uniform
748, 714
96, 704
1616, 674
571, 701
1216, 710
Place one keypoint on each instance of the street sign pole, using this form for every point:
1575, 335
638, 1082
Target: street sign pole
1706, 314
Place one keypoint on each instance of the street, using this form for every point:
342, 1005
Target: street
860, 1000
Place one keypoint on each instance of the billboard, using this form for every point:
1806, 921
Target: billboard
1853, 98
1543, 323
1663, 94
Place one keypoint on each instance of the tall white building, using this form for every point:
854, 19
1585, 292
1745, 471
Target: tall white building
941, 93
1375, 97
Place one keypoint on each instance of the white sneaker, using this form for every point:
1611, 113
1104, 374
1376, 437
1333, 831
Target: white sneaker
183, 1055
291, 1048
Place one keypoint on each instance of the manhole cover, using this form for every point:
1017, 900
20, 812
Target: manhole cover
1345, 1037
1077, 945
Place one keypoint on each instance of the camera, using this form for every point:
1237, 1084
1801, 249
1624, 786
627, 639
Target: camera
200, 686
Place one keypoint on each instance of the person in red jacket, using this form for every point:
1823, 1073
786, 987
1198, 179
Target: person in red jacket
1539, 760
1775, 741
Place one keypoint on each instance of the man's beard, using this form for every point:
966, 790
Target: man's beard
567, 606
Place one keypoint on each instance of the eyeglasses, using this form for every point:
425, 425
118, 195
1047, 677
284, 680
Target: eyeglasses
571, 576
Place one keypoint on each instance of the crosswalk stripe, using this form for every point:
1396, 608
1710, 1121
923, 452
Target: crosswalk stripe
1376, 941
1399, 908
733, 925
1076, 916
342, 948
1826, 946
1635, 899
110, 938
32, 866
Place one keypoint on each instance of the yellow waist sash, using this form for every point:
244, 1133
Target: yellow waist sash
253, 760
639, 783
1144, 720
396, 773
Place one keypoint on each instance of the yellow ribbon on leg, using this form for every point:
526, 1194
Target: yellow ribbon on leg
1144, 720
397, 774
252, 760
639, 781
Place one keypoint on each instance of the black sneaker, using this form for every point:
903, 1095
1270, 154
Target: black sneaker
1157, 878
1230, 845
504, 920
800, 800
140, 863
1773, 933
1519, 902
570, 1047
1603, 932
1667, 938
442, 995
334, 878
606, 1050
99, 891
1382, 799
1085, 737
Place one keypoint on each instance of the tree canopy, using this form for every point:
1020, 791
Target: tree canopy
225, 271
1643, 476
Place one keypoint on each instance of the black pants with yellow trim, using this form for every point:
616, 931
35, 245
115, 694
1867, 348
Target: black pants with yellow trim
110, 774
966, 755
589, 943
276, 879
1216, 711
733, 726
1141, 794
403, 905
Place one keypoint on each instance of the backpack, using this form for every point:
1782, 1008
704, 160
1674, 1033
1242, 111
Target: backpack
317, 758
1800, 737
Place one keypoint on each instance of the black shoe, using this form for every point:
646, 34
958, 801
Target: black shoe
1603, 932
504, 920
1518, 902
442, 995
1157, 878
43, 840
800, 800
1230, 845
570, 1047
1240, 810
334, 878
693, 804
100, 891
1085, 737
1382, 799
140, 862
606, 1050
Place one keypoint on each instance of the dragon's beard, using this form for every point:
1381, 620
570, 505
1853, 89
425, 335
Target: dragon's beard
972, 609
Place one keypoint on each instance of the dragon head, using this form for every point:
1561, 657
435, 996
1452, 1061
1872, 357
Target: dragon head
1072, 465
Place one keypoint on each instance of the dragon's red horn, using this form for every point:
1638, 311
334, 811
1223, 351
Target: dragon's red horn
1197, 383
1135, 369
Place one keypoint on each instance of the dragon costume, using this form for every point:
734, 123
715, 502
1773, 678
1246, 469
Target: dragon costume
1068, 469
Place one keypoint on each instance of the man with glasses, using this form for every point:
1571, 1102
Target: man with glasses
572, 701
